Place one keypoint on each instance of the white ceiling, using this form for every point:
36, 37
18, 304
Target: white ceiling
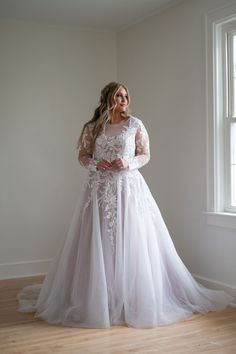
98, 14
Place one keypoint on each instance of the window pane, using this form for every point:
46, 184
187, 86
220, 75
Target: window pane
234, 75
233, 163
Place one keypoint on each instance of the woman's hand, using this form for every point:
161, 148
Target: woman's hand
119, 164
103, 165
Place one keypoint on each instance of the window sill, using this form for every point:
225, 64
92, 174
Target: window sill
226, 220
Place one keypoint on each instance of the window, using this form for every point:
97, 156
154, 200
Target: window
224, 98
229, 113
221, 116
232, 118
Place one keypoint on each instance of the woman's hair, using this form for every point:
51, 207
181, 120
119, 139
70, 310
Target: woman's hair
102, 114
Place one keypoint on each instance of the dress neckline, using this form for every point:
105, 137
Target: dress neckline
123, 128
120, 123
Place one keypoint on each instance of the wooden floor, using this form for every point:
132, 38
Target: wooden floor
214, 333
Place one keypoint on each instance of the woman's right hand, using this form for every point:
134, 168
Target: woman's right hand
103, 165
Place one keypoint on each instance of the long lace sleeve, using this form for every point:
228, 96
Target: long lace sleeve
85, 156
142, 152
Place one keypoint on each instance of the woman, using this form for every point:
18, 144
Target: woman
118, 264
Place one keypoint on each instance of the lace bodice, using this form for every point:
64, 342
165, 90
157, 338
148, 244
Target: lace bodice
128, 140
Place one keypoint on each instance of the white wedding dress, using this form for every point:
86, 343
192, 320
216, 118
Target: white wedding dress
118, 264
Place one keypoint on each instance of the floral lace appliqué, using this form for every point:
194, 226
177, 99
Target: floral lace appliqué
129, 142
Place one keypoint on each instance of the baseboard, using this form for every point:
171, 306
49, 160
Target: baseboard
217, 285
24, 269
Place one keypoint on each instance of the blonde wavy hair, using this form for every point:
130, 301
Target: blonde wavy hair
102, 114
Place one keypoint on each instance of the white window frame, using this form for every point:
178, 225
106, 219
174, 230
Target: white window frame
218, 211
228, 30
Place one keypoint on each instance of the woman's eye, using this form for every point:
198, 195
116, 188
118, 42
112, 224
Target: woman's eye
120, 95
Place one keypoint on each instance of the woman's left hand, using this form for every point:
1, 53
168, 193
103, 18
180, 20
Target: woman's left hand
119, 164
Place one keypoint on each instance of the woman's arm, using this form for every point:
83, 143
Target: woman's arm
85, 156
142, 152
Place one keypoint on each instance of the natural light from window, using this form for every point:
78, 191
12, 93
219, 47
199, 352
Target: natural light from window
233, 163
234, 74
233, 132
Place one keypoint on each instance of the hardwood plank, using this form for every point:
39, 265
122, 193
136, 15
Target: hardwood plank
21, 333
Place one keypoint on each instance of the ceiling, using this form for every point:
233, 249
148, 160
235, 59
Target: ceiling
114, 15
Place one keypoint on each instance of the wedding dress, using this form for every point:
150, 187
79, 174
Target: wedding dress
118, 264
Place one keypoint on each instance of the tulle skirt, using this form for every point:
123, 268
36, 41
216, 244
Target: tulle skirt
118, 264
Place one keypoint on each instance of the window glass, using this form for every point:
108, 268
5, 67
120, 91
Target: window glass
234, 75
233, 163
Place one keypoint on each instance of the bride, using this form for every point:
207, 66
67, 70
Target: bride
118, 264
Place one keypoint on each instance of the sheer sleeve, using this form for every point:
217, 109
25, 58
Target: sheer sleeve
85, 157
142, 152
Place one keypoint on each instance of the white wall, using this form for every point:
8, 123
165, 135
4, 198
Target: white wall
162, 60
50, 77
50, 80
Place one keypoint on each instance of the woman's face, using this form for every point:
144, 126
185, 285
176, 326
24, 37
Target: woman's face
121, 100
